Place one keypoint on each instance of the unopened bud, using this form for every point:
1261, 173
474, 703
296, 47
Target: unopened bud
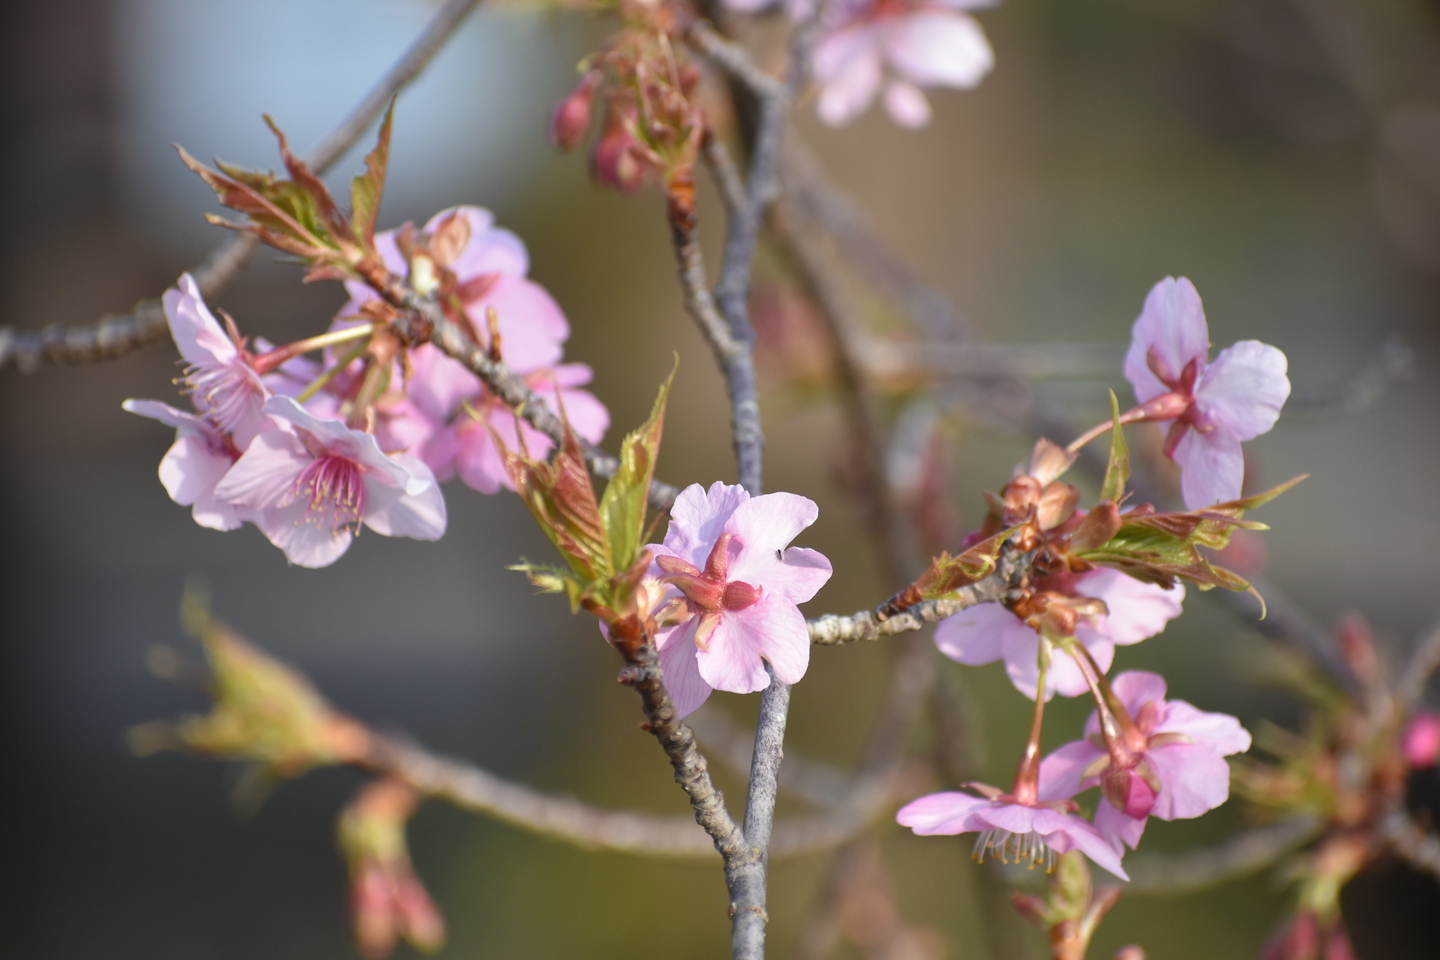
1131, 952
572, 115
1057, 504
1128, 791
613, 161
1420, 743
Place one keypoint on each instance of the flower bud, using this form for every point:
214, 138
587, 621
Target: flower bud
613, 162
572, 115
1131, 952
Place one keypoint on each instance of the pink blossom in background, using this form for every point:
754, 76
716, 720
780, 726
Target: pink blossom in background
477, 459
1420, 743
725, 557
901, 46
988, 632
1236, 397
1180, 772
310, 484
490, 267
1011, 830
201, 455
222, 384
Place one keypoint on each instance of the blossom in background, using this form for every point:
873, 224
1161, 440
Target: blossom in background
1010, 830
1179, 769
988, 632
434, 417
736, 589
311, 483
201, 455
902, 46
1217, 404
222, 384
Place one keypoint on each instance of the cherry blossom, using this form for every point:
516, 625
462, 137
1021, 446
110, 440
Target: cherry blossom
201, 455
923, 43
988, 632
311, 483
1174, 766
737, 585
1011, 830
1211, 406
219, 378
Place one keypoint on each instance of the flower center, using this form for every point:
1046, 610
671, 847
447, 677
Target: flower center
1010, 847
335, 487
708, 591
221, 393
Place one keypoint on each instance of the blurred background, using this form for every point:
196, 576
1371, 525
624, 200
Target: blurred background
1283, 154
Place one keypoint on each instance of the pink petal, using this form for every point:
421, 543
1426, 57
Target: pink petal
940, 813
1212, 467
676, 646
1117, 826
907, 105
438, 384
1244, 389
1062, 773
1135, 688
1219, 731
398, 512
733, 661
1137, 610
976, 635
1194, 778
266, 472
1172, 325
477, 460
490, 250
847, 66
197, 334
775, 628
765, 525
940, 48
1062, 832
402, 427
698, 517
532, 325
189, 471
305, 544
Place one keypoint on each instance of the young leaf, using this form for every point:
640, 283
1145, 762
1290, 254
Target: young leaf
562, 501
1118, 470
947, 574
622, 507
367, 189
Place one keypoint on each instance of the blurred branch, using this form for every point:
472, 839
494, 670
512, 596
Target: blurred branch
1242, 854
1424, 661
1419, 848
817, 783
1393, 363
834, 629
722, 168
115, 336
1032, 361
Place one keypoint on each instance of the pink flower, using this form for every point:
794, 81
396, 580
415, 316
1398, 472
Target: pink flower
737, 586
988, 632
1011, 830
1420, 743
219, 378
201, 455
489, 265
311, 483
1178, 766
479, 461
1215, 405
924, 43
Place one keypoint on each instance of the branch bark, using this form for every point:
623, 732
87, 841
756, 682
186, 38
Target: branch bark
1242, 854
115, 336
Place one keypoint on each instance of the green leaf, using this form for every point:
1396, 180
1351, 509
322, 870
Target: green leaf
622, 507
946, 574
367, 189
562, 501
1118, 470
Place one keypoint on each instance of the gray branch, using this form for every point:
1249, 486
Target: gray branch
115, 336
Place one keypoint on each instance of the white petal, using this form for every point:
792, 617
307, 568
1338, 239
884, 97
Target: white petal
1244, 388
397, 512
907, 105
1212, 467
940, 48
1172, 326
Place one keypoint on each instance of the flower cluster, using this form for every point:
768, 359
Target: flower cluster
310, 453
1107, 577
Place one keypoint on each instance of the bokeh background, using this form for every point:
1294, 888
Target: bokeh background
1284, 154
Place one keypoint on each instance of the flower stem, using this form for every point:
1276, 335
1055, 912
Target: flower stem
1167, 406
319, 382
273, 358
1117, 727
1027, 775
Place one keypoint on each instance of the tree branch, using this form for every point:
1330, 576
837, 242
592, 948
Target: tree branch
115, 336
1424, 661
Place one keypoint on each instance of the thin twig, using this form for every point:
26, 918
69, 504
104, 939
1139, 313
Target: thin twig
1424, 661
722, 168
1238, 856
1392, 364
735, 59
1419, 848
115, 336
833, 629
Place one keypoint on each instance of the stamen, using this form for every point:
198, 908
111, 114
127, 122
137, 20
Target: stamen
1029, 848
335, 488
221, 393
